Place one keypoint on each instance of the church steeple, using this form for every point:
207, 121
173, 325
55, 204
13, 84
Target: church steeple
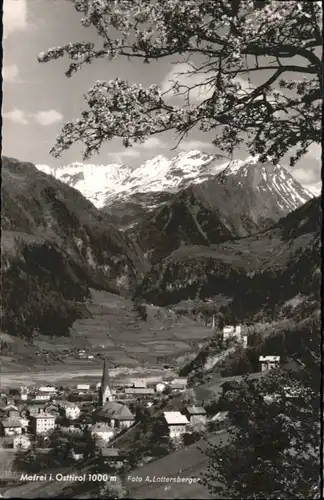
105, 393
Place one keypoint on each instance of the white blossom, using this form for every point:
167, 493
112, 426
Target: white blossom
230, 40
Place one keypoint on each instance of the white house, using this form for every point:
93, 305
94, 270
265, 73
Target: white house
83, 387
42, 396
24, 393
139, 384
228, 331
47, 388
176, 423
102, 431
160, 387
71, 410
269, 362
42, 423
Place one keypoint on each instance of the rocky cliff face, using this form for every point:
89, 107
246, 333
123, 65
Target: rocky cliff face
55, 245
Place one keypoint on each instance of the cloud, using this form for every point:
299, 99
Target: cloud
306, 175
180, 74
48, 117
10, 73
128, 153
315, 151
194, 144
16, 116
308, 170
44, 118
152, 142
14, 16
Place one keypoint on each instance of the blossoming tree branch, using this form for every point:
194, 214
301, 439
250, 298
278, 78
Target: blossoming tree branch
224, 44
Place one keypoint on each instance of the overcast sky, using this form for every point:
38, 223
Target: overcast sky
39, 98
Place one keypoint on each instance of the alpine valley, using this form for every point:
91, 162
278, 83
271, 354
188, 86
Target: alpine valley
141, 269
169, 231
190, 199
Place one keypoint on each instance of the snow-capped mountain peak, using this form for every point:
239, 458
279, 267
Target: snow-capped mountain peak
270, 179
106, 184
93, 181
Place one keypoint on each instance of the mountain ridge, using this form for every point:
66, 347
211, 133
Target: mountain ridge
237, 202
55, 245
263, 269
159, 174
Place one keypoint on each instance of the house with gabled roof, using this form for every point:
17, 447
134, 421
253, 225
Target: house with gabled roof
176, 423
116, 414
195, 414
11, 426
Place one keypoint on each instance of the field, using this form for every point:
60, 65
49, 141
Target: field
65, 377
115, 332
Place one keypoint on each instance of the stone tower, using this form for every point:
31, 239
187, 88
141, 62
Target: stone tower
105, 393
